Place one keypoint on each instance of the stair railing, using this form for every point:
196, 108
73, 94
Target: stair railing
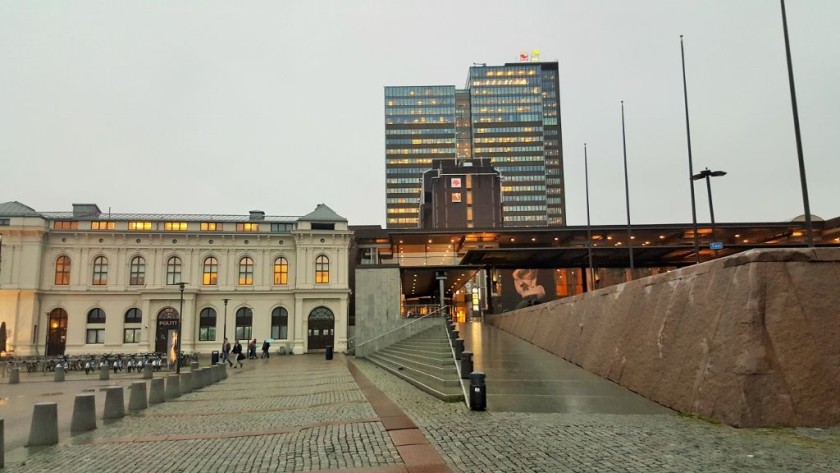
400, 333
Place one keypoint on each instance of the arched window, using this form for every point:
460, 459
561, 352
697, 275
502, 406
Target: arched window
279, 323
137, 271
173, 270
322, 269
246, 271
95, 334
100, 271
210, 273
281, 271
133, 316
244, 318
132, 334
207, 325
62, 271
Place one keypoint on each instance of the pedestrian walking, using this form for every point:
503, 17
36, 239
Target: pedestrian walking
226, 352
252, 349
265, 348
238, 355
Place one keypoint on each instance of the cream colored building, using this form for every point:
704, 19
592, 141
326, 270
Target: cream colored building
87, 282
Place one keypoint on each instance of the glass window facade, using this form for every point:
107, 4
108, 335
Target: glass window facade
509, 114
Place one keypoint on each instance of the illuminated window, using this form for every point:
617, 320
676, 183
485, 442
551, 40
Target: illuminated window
173, 270
207, 325
246, 271
102, 225
100, 271
281, 271
210, 227
210, 273
62, 271
322, 269
137, 271
140, 226
65, 225
174, 226
247, 227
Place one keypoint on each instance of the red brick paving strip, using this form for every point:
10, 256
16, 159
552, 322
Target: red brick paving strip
418, 455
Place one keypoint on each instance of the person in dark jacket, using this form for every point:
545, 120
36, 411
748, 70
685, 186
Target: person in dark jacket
226, 352
265, 347
238, 356
252, 349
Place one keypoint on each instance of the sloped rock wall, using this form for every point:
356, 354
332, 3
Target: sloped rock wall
752, 339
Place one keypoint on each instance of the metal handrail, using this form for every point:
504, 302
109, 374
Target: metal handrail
402, 327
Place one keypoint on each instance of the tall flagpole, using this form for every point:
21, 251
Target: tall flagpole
690, 165
591, 281
627, 192
802, 180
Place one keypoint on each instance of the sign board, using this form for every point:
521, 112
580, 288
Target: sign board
716, 245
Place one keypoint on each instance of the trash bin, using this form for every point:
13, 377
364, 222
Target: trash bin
478, 391
214, 357
329, 352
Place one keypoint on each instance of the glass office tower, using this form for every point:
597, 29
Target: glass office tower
509, 114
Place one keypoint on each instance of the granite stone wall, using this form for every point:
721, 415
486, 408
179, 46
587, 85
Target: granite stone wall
751, 340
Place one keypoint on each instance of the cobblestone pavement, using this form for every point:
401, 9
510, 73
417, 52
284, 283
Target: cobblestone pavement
302, 413
535, 442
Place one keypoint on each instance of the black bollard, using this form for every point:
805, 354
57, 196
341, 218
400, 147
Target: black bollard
478, 391
466, 364
329, 353
459, 348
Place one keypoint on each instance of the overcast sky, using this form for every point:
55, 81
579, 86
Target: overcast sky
226, 107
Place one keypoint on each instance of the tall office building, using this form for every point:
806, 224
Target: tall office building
509, 114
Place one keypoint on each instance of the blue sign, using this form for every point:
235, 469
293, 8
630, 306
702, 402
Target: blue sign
716, 245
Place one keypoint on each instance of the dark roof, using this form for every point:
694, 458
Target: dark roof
16, 209
322, 213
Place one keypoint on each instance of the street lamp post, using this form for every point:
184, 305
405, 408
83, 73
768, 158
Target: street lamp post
47, 335
706, 174
226, 303
180, 320
690, 164
590, 280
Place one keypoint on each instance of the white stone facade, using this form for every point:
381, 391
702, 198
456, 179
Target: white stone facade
31, 291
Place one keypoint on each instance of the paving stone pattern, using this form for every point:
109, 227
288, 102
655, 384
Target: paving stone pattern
302, 413
487, 442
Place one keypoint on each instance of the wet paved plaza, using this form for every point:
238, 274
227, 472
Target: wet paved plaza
304, 413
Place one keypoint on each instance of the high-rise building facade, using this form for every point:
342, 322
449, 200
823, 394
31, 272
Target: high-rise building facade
509, 114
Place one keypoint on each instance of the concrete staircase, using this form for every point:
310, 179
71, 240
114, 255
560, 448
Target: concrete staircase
424, 360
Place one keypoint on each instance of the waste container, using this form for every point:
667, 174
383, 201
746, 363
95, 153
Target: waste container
214, 357
329, 352
478, 391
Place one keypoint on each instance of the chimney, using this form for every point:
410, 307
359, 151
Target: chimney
257, 215
86, 210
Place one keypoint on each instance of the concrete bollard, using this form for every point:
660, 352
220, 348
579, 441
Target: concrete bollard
208, 376
466, 364
114, 403
59, 374
104, 374
453, 335
157, 394
173, 386
147, 371
197, 379
84, 413
14, 376
44, 428
186, 383
193, 365
223, 370
137, 400
459, 348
